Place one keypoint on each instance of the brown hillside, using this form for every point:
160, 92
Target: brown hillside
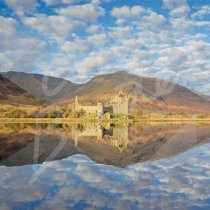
37, 84
11, 93
150, 94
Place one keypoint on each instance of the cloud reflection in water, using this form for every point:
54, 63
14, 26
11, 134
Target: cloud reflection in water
77, 182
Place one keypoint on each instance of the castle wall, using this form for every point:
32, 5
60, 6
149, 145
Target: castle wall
98, 109
118, 105
88, 109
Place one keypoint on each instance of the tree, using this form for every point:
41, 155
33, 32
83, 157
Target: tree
68, 113
16, 113
55, 114
81, 113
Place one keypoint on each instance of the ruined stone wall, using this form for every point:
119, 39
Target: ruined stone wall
88, 109
98, 109
118, 105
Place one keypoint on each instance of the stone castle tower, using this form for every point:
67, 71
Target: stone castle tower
118, 105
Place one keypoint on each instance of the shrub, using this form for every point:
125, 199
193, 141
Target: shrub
16, 113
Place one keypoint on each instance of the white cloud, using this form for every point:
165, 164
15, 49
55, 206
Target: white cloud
98, 39
202, 23
184, 25
125, 12
85, 12
133, 43
62, 59
20, 7
202, 12
117, 33
180, 11
55, 26
154, 20
177, 7
94, 62
172, 60
76, 46
8, 27
58, 65
19, 52
23, 54
93, 29
54, 2
97, 2
171, 4
146, 42
62, 25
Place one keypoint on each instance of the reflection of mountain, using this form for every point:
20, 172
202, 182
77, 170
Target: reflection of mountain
27, 148
120, 146
157, 142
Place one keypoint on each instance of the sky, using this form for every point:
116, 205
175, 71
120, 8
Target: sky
78, 39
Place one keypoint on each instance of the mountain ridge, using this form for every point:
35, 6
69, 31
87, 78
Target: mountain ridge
11, 93
41, 86
150, 94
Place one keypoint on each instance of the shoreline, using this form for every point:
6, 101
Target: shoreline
76, 121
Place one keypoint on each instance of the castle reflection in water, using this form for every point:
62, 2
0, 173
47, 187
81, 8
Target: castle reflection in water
116, 136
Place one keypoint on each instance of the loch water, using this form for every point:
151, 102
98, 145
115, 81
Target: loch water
105, 166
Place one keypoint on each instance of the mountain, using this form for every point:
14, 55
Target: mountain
11, 93
152, 95
46, 87
149, 94
207, 97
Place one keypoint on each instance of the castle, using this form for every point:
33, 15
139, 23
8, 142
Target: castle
117, 105
117, 137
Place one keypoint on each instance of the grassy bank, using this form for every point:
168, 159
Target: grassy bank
81, 120
174, 120
59, 120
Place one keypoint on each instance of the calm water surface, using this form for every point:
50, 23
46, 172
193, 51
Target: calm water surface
107, 166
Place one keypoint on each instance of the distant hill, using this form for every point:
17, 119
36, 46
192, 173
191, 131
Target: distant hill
11, 93
152, 95
149, 94
38, 85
